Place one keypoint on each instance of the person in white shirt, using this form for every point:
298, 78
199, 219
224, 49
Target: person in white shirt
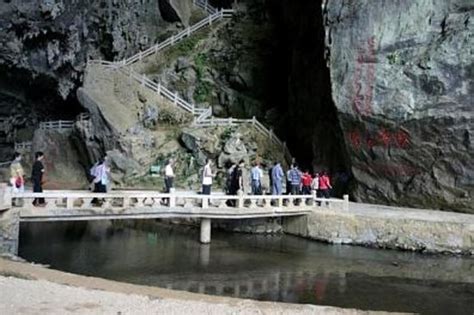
169, 175
207, 178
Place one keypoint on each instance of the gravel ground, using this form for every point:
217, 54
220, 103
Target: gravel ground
32, 289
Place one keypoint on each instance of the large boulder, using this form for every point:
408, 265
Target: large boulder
402, 82
63, 167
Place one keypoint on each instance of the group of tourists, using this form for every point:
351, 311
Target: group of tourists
297, 182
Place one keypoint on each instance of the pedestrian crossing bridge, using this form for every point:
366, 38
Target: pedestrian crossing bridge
83, 205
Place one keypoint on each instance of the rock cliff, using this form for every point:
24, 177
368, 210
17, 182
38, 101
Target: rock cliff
402, 83
380, 91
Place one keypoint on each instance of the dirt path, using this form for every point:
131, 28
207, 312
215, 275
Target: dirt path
31, 289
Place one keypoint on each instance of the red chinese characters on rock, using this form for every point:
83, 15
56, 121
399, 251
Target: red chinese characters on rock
354, 138
364, 78
382, 137
402, 139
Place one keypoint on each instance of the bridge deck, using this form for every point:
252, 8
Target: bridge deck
78, 206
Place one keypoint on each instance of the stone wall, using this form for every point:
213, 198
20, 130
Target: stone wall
388, 227
9, 231
253, 226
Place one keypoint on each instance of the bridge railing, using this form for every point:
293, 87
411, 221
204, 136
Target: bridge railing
117, 200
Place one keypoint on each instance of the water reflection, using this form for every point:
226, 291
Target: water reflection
278, 268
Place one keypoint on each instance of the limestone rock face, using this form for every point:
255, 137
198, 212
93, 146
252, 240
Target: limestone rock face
402, 81
55, 37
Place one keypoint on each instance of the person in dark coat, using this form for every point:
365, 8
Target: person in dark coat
37, 174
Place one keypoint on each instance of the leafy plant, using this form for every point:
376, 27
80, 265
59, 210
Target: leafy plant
226, 134
394, 58
203, 88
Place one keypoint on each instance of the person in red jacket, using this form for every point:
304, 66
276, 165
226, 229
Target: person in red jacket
324, 185
306, 182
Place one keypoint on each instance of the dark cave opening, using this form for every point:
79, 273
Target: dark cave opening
300, 87
37, 95
25, 101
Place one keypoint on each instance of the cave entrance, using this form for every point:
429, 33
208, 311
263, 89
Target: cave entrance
300, 87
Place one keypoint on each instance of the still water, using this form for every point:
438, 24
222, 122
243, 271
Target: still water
273, 268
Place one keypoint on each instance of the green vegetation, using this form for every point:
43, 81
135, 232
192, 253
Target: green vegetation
184, 48
203, 90
227, 133
394, 58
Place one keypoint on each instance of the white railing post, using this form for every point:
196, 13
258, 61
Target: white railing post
345, 206
240, 201
69, 203
172, 40
210, 20
172, 201
253, 120
175, 101
143, 80
158, 89
205, 203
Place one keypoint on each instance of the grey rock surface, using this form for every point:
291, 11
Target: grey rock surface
55, 38
402, 82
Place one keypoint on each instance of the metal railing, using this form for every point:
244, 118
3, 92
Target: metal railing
23, 146
171, 41
258, 126
58, 125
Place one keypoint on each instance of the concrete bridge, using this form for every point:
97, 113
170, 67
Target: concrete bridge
79, 206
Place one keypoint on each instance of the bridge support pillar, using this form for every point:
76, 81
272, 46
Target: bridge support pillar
205, 231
